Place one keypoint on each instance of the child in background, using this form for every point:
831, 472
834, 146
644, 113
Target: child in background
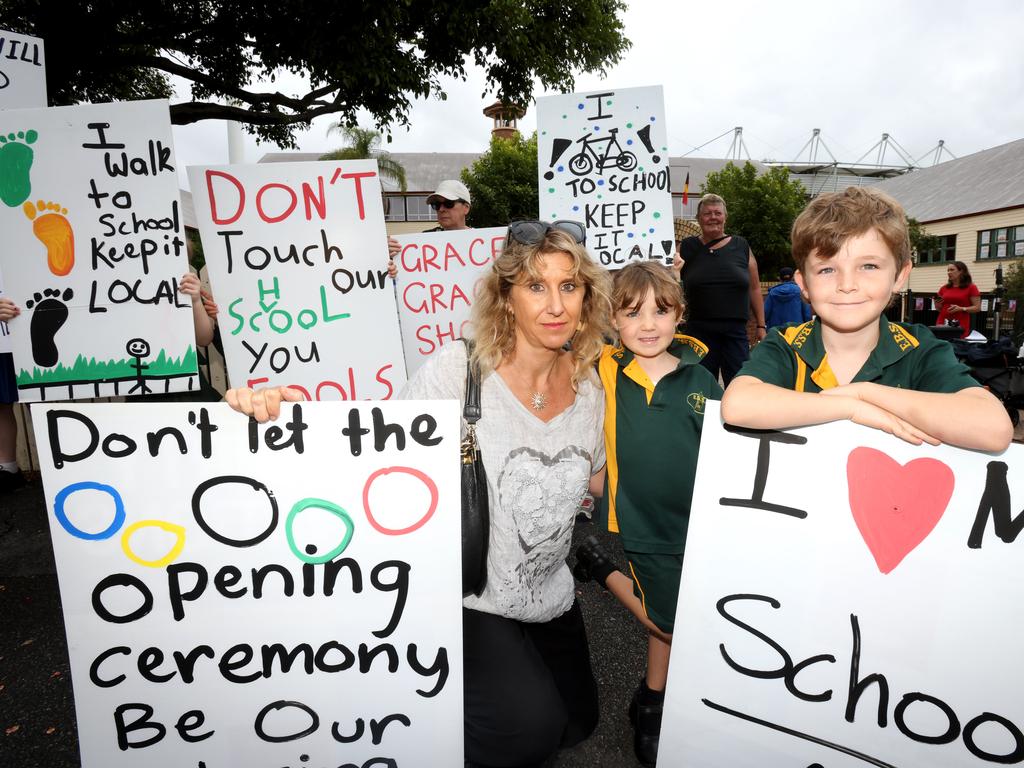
655, 392
852, 253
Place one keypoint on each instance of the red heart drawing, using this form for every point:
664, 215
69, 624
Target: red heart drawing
896, 507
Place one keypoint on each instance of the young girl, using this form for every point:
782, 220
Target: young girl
655, 392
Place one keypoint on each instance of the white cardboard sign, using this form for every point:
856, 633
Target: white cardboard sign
297, 257
22, 85
252, 595
437, 277
22, 73
602, 158
848, 599
93, 250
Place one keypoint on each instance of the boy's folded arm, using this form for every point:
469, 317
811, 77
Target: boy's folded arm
750, 402
971, 418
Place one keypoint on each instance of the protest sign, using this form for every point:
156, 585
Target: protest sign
437, 275
602, 158
22, 78
847, 599
267, 596
297, 257
93, 250
22, 85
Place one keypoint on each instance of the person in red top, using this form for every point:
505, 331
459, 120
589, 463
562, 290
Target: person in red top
958, 298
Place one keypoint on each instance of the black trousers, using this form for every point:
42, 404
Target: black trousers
728, 347
529, 688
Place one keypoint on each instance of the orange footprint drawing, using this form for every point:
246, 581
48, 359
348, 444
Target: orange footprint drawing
54, 231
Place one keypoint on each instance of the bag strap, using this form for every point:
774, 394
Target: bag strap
471, 408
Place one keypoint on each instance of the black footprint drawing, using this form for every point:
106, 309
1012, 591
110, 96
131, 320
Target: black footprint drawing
50, 315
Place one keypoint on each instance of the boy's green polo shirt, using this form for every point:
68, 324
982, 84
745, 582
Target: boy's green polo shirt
908, 356
652, 434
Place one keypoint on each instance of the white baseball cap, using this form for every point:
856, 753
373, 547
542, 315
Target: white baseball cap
450, 189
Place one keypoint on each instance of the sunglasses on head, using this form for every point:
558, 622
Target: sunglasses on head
447, 204
531, 232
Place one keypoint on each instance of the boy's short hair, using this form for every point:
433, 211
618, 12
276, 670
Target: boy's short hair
830, 220
638, 279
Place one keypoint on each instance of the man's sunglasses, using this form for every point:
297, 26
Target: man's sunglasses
446, 204
531, 232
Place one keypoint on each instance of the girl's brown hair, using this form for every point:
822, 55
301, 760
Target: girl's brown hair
639, 279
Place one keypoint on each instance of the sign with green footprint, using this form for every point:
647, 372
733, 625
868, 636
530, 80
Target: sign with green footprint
22, 86
92, 251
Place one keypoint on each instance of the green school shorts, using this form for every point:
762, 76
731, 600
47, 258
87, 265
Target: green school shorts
656, 583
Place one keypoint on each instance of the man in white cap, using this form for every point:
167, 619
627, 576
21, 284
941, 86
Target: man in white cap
451, 201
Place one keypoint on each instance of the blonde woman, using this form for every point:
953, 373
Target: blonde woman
539, 324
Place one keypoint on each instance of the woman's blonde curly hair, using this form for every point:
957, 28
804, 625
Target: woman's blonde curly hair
494, 330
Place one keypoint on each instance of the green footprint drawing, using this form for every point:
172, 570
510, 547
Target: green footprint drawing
15, 164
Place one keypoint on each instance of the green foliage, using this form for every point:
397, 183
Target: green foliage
920, 241
375, 56
1013, 280
364, 144
1013, 284
84, 371
503, 183
197, 258
760, 209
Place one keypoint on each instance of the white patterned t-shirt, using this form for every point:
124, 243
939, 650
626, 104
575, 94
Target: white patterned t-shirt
537, 474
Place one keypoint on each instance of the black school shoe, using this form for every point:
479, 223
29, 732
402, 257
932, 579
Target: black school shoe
11, 481
592, 562
645, 714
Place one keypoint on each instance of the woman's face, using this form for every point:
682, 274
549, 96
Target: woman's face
547, 309
953, 271
712, 221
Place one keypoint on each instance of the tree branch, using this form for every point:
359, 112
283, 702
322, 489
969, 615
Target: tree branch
194, 111
249, 97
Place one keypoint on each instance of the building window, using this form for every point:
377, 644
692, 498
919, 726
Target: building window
394, 208
1003, 243
688, 211
944, 250
416, 208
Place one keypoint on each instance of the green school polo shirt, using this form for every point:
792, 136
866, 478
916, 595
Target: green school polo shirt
908, 356
652, 434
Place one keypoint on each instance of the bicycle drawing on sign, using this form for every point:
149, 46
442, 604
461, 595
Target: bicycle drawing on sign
613, 155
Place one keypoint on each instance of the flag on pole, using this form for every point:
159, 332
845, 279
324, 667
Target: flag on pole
686, 189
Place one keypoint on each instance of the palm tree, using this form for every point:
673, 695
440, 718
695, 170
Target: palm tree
364, 144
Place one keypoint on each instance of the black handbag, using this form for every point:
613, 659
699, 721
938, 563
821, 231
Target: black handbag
476, 517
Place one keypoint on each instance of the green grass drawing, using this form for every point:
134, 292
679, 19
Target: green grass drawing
109, 370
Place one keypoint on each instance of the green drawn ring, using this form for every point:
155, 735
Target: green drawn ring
334, 509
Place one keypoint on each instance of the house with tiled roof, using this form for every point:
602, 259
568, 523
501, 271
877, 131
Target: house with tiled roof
974, 205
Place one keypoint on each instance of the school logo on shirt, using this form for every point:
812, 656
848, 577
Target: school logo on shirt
696, 401
903, 339
801, 335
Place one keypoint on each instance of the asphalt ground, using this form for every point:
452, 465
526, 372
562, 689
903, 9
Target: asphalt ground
37, 711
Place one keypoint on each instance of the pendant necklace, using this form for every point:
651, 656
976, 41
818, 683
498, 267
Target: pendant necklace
538, 401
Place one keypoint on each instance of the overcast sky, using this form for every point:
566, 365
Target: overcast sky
920, 70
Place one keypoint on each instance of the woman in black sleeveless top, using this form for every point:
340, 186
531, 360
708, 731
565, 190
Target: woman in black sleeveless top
722, 288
